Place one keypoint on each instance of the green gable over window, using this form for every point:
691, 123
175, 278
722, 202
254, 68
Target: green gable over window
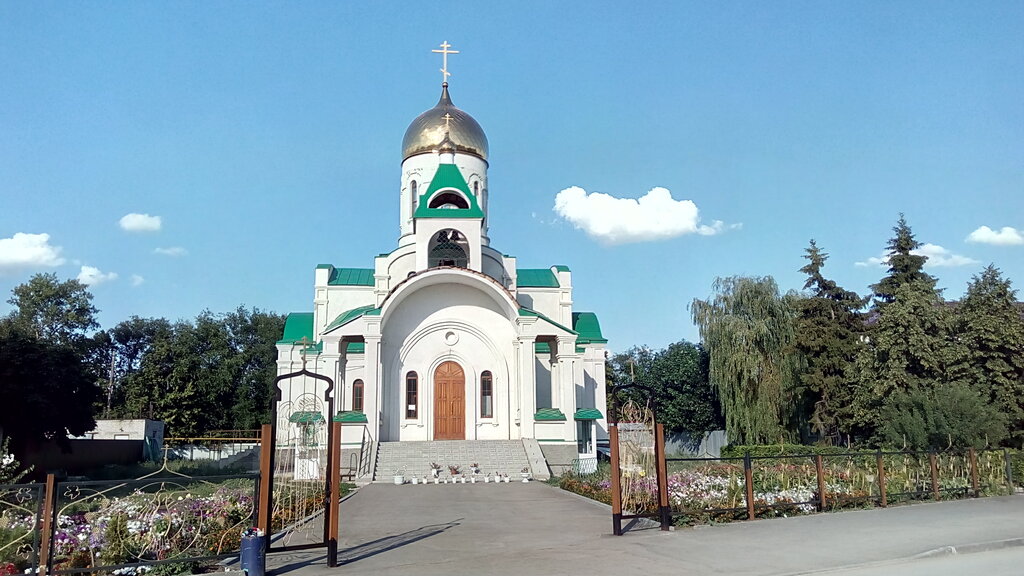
549, 415
351, 417
305, 417
448, 177
587, 414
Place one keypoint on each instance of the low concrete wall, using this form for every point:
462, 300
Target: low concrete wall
707, 445
81, 456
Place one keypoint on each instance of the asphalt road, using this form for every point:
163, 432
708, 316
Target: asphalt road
536, 529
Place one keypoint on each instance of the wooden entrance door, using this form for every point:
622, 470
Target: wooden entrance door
449, 402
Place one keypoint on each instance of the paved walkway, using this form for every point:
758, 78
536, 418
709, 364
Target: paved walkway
536, 529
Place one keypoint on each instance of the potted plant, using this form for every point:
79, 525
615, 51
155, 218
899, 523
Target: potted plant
435, 469
474, 468
504, 478
487, 478
399, 477
525, 474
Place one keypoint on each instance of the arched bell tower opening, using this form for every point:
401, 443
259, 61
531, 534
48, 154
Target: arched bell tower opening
448, 248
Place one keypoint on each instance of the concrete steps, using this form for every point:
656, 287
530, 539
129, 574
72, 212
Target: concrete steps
414, 458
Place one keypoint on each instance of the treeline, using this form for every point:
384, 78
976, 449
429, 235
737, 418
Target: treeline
901, 367
58, 372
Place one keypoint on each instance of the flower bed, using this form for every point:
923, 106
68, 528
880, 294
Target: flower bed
715, 490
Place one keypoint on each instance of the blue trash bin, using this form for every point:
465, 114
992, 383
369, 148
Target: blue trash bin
254, 553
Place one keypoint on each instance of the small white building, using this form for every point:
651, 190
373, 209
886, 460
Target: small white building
445, 337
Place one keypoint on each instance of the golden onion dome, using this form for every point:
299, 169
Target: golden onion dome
427, 131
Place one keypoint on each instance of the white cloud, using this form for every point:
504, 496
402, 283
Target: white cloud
172, 251
27, 251
653, 216
91, 276
137, 280
1005, 236
140, 223
938, 257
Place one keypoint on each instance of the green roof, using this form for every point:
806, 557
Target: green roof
588, 414
351, 277
305, 417
549, 415
353, 416
350, 315
542, 347
355, 347
448, 176
528, 312
297, 326
536, 278
561, 267
588, 328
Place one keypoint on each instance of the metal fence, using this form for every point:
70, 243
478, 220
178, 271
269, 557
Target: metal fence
760, 486
77, 527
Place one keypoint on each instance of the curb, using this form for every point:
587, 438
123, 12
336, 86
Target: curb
973, 548
970, 548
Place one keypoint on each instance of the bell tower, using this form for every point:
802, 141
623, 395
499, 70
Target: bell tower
444, 167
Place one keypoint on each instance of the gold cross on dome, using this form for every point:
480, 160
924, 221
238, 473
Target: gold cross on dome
447, 119
444, 51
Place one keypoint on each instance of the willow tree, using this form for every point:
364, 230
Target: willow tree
747, 329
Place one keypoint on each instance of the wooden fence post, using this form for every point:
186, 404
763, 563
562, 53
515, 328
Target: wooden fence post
748, 477
819, 468
664, 512
973, 457
334, 502
613, 443
265, 509
46, 530
933, 464
883, 501
1009, 468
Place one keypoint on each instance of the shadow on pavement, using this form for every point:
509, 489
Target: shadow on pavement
382, 545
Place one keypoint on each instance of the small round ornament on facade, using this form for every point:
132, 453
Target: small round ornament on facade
451, 338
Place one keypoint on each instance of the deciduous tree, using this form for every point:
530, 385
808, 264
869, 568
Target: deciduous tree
747, 329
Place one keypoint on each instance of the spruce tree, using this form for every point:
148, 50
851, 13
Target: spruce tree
990, 328
829, 326
905, 267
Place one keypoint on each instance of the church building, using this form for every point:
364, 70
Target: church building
444, 337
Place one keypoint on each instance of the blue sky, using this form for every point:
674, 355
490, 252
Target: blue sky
266, 137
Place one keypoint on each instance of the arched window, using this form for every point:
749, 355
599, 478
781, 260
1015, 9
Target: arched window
411, 394
486, 395
448, 250
476, 189
412, 198
357, 395
449, 200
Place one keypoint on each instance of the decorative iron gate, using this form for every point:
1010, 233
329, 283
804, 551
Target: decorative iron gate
639, 481
300, 464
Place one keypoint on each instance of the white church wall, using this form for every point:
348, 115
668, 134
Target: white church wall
341, 299
543, 300
447, 322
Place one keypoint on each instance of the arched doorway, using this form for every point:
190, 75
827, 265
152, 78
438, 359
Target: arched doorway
449, 402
